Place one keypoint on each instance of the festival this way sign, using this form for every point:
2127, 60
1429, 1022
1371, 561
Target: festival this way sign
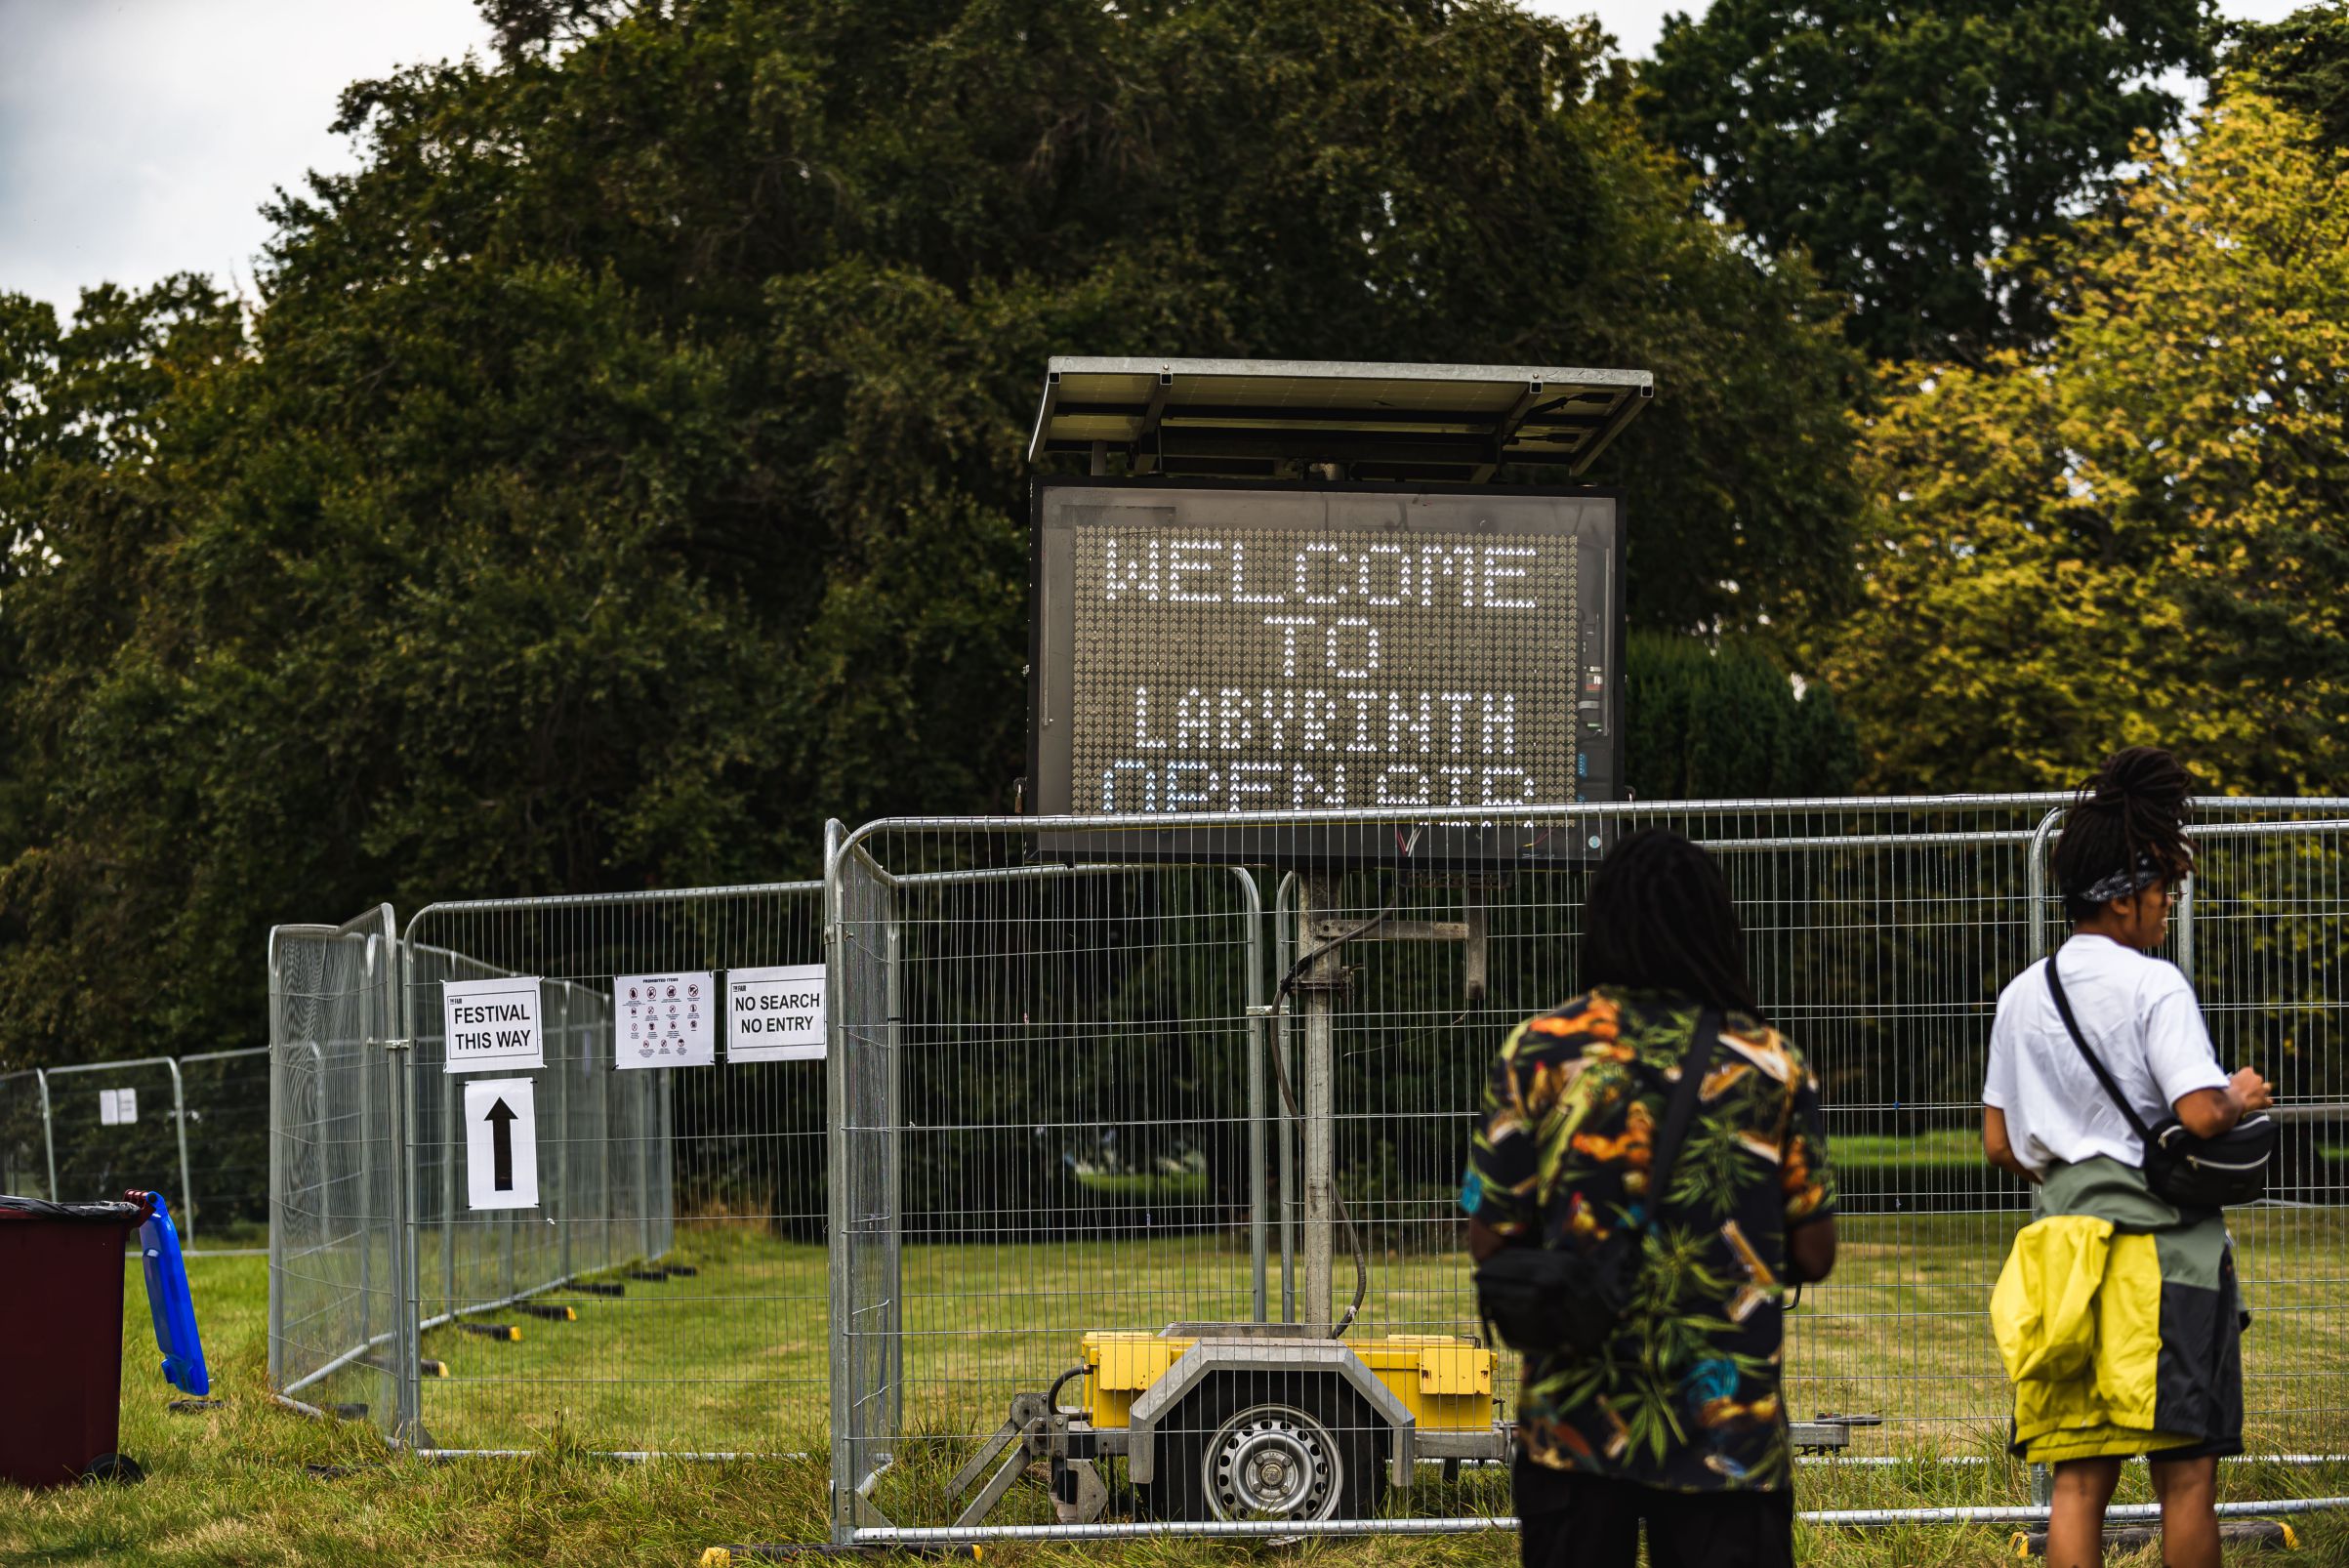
492, 1025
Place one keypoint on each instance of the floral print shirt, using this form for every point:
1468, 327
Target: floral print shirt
1686, 1396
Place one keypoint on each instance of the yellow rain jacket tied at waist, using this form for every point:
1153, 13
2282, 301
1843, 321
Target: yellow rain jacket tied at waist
2078, 1315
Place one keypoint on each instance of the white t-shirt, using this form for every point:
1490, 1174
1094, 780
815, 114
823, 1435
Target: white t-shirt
2141, 1019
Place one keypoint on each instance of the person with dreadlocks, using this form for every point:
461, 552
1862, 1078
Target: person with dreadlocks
2116, 1313
1723, 1195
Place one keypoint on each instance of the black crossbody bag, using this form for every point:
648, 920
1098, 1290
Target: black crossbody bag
1540, 1299
2192, 1173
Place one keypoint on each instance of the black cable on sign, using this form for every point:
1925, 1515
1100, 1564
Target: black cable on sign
1052, 1400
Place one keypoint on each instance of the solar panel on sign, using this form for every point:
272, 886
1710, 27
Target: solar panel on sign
1395, 422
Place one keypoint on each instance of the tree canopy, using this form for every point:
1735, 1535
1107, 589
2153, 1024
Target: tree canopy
622, 470
2302, 63
1726, 723
1907, 148
2136, 534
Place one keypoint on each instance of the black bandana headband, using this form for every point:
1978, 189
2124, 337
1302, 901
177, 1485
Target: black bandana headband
2121, 883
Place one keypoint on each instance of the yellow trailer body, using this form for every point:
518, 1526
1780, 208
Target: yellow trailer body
1446, 1382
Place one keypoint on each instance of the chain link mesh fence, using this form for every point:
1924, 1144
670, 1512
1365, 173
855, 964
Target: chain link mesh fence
336, 1298
25, 1167
668, 1292
2264, 936
1058, 1146
1120, 1127
194, 1128
114, 1126
228, 1124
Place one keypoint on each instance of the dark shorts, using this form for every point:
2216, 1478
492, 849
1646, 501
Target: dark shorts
1581, 1522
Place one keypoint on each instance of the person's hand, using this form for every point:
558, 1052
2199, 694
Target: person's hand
2250, 1090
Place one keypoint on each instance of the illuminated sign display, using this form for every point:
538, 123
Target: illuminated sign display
1207, 647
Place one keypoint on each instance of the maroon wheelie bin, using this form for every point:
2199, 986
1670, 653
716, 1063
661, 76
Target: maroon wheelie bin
60, 1340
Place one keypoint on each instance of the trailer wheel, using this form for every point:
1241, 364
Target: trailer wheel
1248, 1446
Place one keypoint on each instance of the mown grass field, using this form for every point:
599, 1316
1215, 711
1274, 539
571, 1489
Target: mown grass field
736, 1358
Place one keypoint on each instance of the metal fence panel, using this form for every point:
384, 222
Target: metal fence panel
227, 1132
866, 1298
26, 1166
1049, 1126
669, 1292
474, 1262
118, 1126
195, 1128
335, 1267
2265, 938
1075, 1096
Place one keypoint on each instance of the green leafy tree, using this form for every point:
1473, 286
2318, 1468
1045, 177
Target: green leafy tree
85, 495
1906, 149
2136, 535
628, 469
1706, 722
2302, 63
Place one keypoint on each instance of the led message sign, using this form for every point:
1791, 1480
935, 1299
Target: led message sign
1215, 648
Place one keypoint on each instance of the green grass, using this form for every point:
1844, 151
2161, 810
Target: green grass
737, 1358
1143, 1186
1937, 1152
234, 1236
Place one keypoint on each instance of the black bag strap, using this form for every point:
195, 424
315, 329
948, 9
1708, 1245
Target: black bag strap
2063, 1005
1682, 1110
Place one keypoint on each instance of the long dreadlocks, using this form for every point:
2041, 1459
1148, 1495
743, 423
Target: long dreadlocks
2126, 831
1658, 919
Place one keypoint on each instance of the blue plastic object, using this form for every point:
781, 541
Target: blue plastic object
169, 1302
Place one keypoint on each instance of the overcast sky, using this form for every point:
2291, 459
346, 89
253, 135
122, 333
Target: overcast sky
139, 138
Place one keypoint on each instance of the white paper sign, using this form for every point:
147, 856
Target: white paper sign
492, 1025
117, 1108
665, 1021
501, 1143
775, 1015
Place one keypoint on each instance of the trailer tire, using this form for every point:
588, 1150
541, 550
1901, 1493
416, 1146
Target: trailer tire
1301, 1446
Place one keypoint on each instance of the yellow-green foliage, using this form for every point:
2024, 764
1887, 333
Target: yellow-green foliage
2137, 534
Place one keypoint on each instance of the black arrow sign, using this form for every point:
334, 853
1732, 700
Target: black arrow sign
501, 1143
